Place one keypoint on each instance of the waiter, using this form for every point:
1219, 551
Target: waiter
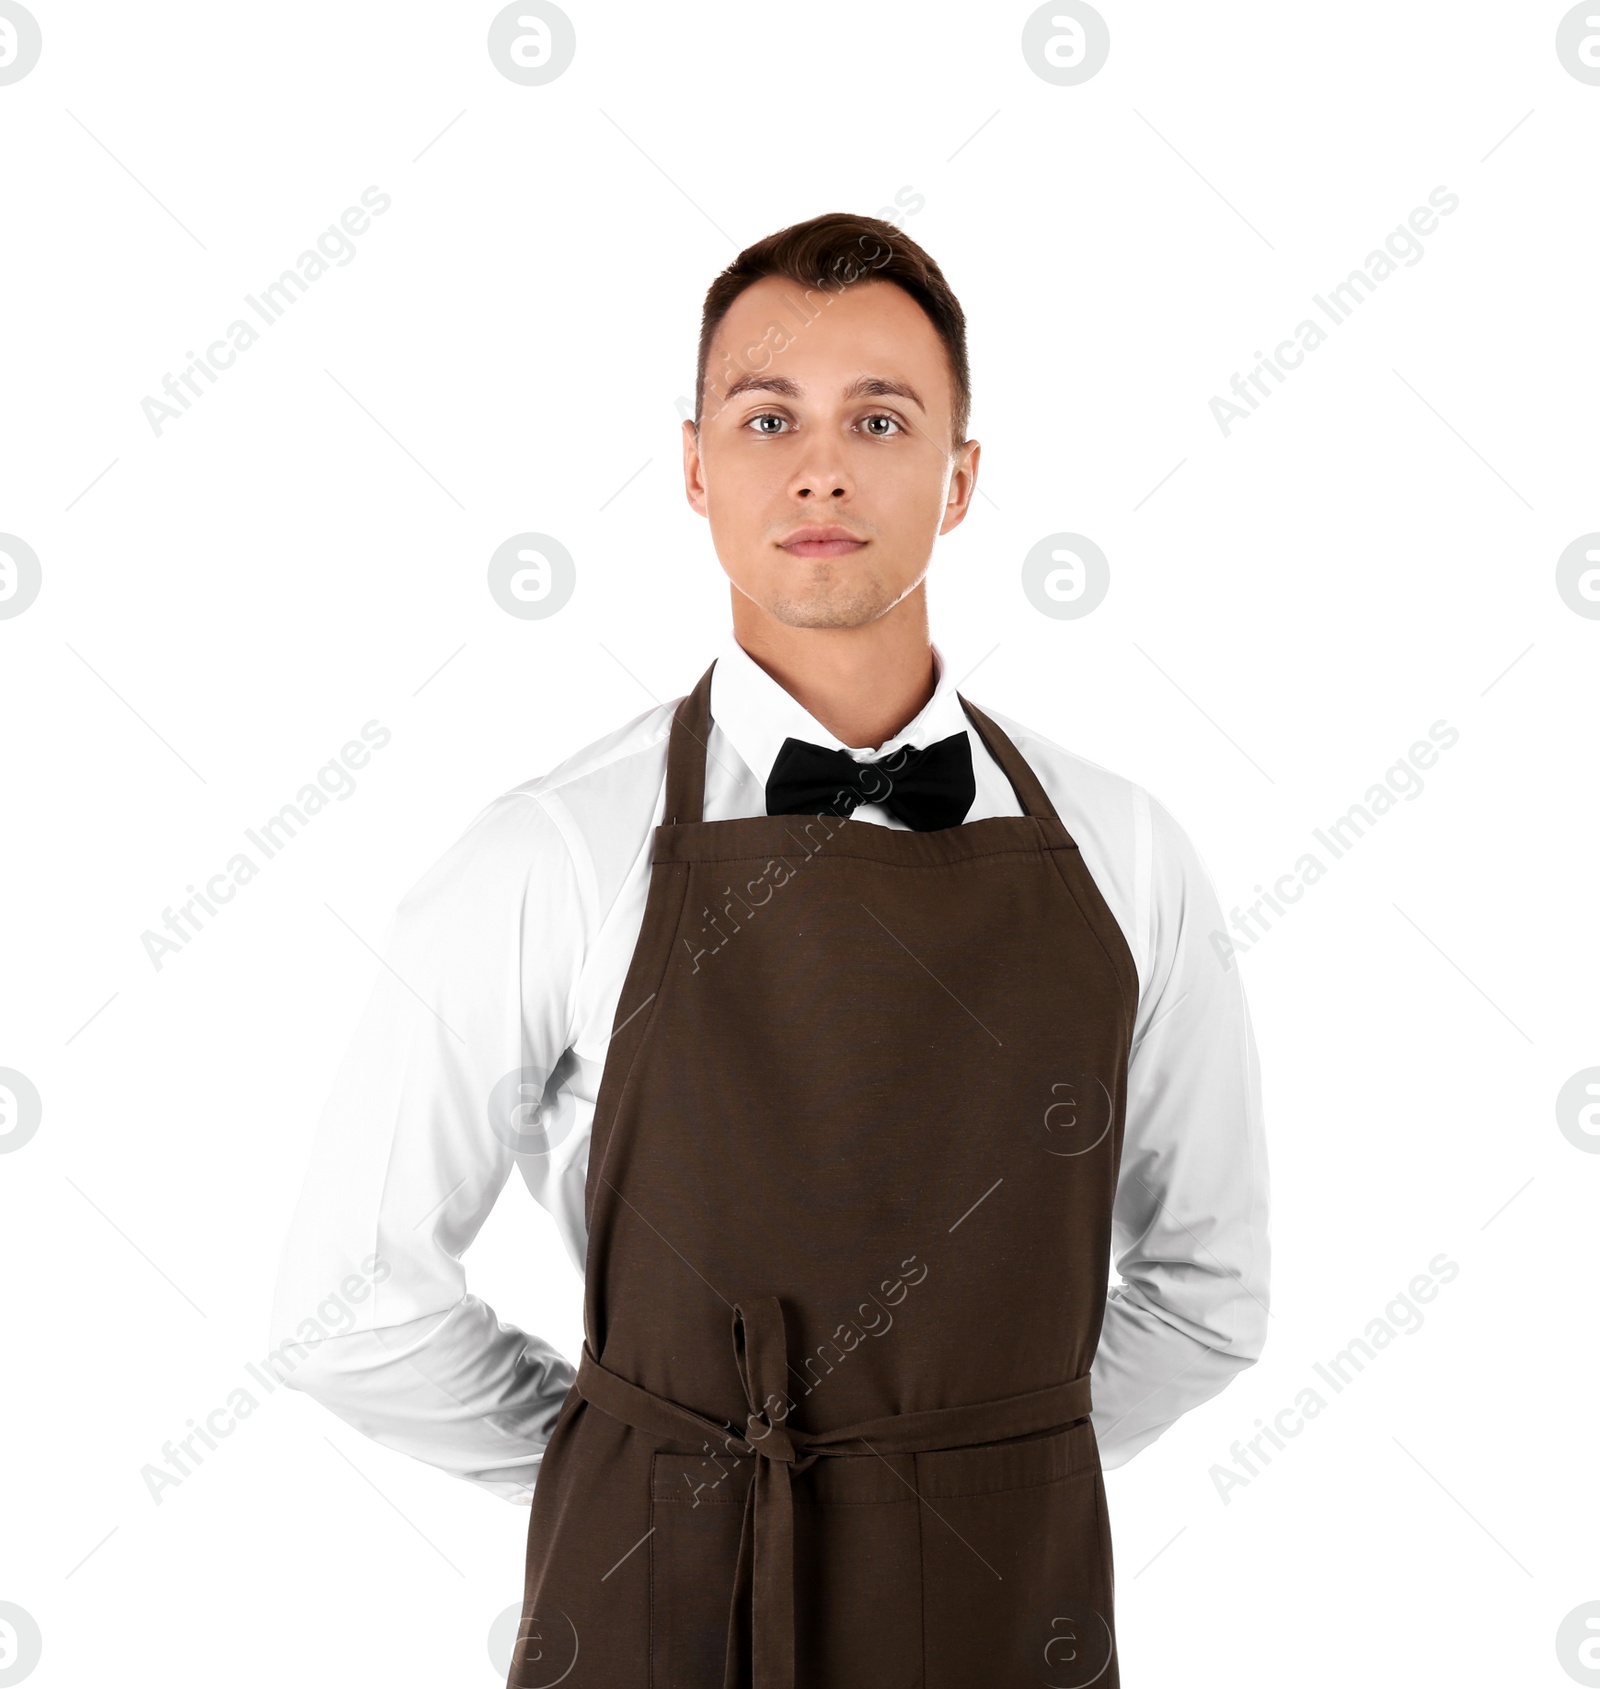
846, 1029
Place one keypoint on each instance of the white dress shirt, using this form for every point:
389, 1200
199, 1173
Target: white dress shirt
510, 954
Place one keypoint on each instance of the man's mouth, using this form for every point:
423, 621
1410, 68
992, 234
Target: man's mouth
814, 540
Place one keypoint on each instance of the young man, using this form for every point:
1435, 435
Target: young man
845, 1029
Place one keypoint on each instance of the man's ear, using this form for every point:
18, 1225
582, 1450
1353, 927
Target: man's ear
694, 484
963, 484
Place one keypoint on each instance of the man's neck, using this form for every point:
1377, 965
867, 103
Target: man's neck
862, 683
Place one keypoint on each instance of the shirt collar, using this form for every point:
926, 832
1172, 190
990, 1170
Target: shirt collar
757, 714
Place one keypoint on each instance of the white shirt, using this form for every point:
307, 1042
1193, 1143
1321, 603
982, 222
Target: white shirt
510, 954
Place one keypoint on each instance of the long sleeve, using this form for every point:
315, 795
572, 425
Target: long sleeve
438, 1092
1189, 1225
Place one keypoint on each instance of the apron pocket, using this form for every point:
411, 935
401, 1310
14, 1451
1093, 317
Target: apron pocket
858, 1574
696, 1508
1016, 1565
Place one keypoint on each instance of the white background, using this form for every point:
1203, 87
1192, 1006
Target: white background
1373, 551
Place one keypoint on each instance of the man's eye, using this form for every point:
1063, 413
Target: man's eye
882, 433
766, 416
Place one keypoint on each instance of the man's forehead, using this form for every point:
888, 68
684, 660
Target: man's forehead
823, 341
792, 303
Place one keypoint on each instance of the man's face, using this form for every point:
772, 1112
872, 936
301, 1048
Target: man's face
838, 425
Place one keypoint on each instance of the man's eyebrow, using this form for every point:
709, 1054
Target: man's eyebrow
864, 386
880, 387
763, 384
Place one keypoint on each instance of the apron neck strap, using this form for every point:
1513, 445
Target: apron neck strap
686, 754
691, 728
1035, 800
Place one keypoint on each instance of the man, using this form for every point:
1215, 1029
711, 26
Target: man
845, 1029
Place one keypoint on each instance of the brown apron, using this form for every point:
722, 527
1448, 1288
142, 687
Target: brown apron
849, 1204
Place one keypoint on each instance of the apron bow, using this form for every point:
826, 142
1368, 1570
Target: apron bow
761, 1626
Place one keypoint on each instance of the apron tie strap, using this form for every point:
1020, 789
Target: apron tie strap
761, 1625
763, 1583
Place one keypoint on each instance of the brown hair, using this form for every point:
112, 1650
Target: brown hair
832, 251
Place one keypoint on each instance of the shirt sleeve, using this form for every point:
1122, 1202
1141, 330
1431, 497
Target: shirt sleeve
438, 1091
1189, 1224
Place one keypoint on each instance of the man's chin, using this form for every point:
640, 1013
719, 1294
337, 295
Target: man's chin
827, 600
831, 611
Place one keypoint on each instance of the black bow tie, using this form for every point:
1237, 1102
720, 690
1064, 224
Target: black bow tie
927, 788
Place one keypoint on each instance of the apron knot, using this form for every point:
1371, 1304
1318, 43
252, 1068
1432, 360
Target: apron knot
776, 1442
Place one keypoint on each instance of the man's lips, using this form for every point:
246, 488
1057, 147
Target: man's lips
821, 542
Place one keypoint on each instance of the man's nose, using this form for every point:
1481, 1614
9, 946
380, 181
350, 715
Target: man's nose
822, 477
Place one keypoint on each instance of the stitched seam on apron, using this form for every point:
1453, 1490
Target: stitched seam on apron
650, 1611
866, 856
1014, 1489
1130, 1010
922, 1564
1103, 1518
642, 1038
